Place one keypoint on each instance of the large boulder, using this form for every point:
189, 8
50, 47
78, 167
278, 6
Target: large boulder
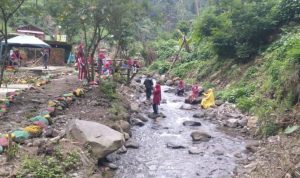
169, 83
101, 139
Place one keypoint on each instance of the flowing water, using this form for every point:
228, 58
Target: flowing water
154, 160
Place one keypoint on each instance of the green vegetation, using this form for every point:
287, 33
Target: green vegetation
108, 89
249, 50
49, 166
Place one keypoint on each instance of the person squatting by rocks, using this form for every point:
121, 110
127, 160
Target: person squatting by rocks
180, 88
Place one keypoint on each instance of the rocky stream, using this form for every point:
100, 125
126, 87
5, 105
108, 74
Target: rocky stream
183, 143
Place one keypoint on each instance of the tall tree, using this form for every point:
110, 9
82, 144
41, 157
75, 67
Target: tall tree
7, 9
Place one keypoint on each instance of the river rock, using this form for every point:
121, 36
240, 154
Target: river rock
252, 146
132, 144
111, 165
176, 79
195, 151
175, 145
199, 115
191, 123
186, 107
252, 122
126, 136
170, 90
122, 150
102, 139
218, 152
200, 136
163, 78
169, 83
142, 118
134, 107
219, 102
124, 125
243, 122
138, 80
194, 102
232, 123
138, 122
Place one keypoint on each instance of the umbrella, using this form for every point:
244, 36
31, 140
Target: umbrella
27, 41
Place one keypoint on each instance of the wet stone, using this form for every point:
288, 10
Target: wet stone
199, 115
111, 166
200, 136
137, 122
191, 123
175, 145
132, 144
122, 150
219, 102
195, 151
218, 153
232, 123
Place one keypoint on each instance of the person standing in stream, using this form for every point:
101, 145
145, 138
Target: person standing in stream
156, 97
149, 86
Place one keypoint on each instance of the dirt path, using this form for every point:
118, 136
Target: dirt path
32, 102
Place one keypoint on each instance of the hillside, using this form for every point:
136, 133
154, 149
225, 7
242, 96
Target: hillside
251, 59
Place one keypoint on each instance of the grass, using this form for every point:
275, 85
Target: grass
49, 166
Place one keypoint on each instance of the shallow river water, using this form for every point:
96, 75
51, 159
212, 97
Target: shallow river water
154, 160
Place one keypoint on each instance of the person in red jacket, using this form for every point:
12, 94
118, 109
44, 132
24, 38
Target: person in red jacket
156, 97
180, 88
81, 63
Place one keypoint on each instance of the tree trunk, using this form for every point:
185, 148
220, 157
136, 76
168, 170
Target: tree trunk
5, 53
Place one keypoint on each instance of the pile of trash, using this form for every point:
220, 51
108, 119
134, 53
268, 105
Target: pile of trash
41, 122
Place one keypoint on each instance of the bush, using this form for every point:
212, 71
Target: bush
50, 167
108, 88
165, 48
245, 103
233, 95
160, 66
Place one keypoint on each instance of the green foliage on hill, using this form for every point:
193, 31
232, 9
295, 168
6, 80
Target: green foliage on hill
250, 51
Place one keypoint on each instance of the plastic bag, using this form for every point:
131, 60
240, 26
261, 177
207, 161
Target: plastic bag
209, 99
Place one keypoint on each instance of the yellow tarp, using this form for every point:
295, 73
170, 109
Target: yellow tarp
209, 99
